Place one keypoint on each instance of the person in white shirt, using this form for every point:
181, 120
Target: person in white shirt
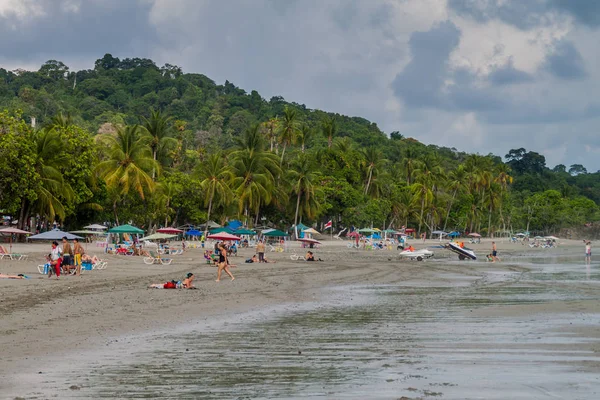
55, 259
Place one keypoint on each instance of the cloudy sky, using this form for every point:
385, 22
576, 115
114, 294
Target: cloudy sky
479, 75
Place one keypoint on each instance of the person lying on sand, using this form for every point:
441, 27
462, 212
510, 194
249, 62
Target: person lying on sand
311, 257
253, 259
186, 284
20, 276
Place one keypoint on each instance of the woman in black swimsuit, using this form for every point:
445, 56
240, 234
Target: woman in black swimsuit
223, 262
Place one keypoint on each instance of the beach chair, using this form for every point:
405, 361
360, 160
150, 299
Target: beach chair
12, 256
296, 257
157, 259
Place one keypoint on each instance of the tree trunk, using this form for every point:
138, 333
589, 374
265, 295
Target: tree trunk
302, 147
115, 212
421, 217
490, 221
283, 152
448, 212
369, 180
329, 141
21, 222
212, 193
296, 216
257, 215
153, 170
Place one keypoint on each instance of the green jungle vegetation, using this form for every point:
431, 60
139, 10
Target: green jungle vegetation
132, 141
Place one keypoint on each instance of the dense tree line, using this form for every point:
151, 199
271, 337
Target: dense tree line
130, 140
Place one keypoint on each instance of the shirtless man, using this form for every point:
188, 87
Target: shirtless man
187, 282
223, 262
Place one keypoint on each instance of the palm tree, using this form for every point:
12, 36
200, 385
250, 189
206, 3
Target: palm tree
215, 175
304, 136
128, 163
329, 129
157, 127
289, 128
251, 139
373, 159
302, 177
165, 192
409, 162
52, 187
455, 183
253, 179
503, 179
271, 127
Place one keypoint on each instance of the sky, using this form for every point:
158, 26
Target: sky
482, 76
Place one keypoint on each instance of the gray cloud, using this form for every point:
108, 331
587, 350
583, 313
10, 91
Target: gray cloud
565, 62
420, 82
521, 14
95, 28
507, 75
586, 12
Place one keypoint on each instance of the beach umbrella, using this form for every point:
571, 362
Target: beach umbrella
309, 241
275, 233
367, 230
244, 231
193, 232
211, 225
551, 238
54, 234
126, 229
520, 234
10, 232
312, 231
224, 236
95, 227
170, 231
158, 236
473, 234
221, 230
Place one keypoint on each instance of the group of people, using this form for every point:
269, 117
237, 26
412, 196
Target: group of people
68, 258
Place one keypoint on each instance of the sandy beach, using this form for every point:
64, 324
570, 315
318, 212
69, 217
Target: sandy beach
43, 319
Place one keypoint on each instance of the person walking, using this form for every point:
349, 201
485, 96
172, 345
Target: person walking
495, 252
588, 251
78, 253
260, 250
223, 265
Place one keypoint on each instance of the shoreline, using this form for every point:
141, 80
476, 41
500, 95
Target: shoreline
45, 319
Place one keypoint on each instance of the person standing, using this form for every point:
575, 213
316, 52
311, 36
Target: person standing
223, 263
67, 255
55, 260
260, 249
495, 252
78, 253
588, 250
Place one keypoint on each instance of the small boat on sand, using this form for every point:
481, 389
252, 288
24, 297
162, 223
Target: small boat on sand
418, 255
463, 252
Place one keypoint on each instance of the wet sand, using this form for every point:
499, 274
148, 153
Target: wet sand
538, 309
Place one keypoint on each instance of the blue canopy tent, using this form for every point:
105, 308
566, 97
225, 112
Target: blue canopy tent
193, 232
454, 234
233, 225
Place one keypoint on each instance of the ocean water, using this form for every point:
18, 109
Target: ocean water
496, 337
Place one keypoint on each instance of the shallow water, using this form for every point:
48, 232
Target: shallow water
458, 338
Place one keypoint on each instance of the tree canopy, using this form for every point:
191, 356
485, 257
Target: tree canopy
129, 140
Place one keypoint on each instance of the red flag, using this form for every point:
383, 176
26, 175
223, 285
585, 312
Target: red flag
328, 225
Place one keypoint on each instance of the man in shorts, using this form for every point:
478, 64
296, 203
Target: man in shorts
495, 252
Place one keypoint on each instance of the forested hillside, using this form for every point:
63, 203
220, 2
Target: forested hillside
130, 140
